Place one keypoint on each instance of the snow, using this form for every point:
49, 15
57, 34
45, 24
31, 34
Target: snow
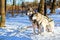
16, 28
48, 36
58, 10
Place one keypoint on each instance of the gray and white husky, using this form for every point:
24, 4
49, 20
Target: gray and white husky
39, 21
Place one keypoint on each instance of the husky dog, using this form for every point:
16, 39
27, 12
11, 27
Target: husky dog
47, 23
39, 21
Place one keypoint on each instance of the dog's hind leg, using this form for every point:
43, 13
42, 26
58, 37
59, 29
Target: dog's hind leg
48, 28
44, 27
52, 26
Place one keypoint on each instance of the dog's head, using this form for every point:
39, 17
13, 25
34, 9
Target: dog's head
30, 11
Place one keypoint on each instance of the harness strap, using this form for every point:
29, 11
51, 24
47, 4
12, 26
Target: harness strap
48, 18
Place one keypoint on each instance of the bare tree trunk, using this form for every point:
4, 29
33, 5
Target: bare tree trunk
5, 7
50, 1
45, 8
41, 7
35, 2
2, 13
59, 3
13, 7
18, 9
53, 6
12, 11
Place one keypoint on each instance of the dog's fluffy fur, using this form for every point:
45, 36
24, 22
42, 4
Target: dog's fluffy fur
47, 23
39, 19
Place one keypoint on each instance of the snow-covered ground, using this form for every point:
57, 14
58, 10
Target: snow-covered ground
16, 29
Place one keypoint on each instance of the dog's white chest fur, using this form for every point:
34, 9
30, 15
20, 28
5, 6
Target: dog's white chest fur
33, 18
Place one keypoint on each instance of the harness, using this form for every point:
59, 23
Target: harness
48, 19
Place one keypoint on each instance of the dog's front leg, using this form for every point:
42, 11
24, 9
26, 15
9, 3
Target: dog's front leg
33, 28
39, 29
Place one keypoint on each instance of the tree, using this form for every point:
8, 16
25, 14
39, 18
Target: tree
41, 7
45, 5
13, 7
0, 14
59, 3
2, 24
5, 7
49, 1
35, 2
23, 5
53, 6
